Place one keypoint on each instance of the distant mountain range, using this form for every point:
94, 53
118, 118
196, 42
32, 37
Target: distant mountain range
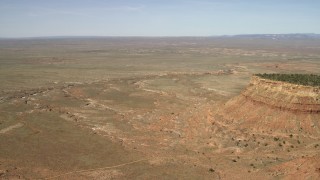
249, 36
278, 36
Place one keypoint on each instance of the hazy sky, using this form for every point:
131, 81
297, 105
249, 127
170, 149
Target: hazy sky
28, 18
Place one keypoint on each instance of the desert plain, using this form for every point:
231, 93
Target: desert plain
152, 108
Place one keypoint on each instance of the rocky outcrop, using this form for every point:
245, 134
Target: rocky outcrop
269, 106
283, 95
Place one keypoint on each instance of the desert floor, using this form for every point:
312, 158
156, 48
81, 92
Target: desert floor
144, 108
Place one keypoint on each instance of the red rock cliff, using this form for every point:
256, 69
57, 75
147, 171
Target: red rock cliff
283, 95
269, 106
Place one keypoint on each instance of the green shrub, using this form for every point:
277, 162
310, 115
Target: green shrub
301, 79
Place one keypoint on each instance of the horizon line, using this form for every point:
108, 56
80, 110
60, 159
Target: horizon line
148, 36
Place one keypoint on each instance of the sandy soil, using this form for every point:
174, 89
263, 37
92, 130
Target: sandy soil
148, 109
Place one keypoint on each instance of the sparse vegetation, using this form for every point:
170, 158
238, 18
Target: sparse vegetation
141, 102
301, 79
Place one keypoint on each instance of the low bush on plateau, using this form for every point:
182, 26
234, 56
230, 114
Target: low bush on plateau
301, 79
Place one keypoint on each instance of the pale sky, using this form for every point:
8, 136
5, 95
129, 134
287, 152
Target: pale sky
34, 18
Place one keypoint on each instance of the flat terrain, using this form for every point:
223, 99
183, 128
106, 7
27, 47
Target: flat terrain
144, 108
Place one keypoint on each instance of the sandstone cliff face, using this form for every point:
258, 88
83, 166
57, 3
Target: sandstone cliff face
270, 106
283, 95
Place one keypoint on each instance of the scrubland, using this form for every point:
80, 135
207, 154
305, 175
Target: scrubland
152, 108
